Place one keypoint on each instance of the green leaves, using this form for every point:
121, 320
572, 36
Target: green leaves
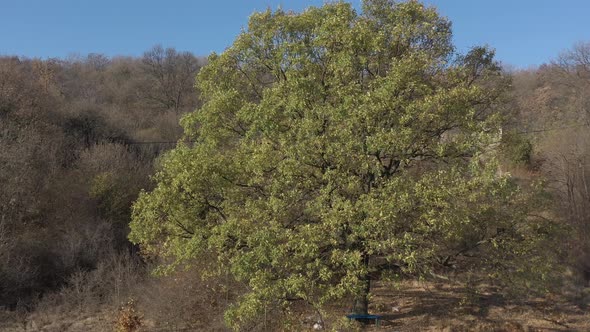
331, 142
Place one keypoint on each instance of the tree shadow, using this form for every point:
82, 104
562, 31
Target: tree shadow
464, 306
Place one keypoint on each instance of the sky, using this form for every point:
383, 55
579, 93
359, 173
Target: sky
524, 33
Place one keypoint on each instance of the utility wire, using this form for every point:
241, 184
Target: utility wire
520, 132
149, 142
142, 143
552, 129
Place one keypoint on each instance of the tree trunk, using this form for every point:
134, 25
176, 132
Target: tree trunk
361, 302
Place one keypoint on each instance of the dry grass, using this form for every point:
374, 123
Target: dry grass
411, 306
442, 307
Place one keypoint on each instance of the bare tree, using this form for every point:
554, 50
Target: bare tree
572, 73
171, 76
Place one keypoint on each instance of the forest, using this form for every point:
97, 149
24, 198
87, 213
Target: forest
327, 163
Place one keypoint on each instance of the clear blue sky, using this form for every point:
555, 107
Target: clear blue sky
524, 32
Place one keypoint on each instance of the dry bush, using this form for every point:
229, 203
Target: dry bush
164, 127
86, 292
184, 300
130, 168
567, 164
114, 174
128, 319
16, 272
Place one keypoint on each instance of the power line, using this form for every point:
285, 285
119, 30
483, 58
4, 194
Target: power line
552, 129
155, 142
520, 132
148, 142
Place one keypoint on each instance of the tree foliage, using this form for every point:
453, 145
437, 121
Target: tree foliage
334, 148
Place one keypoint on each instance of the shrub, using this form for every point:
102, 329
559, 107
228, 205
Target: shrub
516, 149
128, 319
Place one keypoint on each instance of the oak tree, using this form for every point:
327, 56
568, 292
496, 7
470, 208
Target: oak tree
334, 148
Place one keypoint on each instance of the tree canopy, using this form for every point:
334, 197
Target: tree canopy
334, 148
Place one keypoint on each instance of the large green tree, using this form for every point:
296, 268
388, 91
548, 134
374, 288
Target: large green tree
334, 147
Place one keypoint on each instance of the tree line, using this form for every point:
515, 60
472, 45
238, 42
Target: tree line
70, 165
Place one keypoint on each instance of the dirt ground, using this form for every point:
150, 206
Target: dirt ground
412, 306
429, 307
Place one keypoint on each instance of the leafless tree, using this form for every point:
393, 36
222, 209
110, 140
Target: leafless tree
171, 76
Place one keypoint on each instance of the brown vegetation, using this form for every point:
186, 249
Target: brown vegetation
73, 160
